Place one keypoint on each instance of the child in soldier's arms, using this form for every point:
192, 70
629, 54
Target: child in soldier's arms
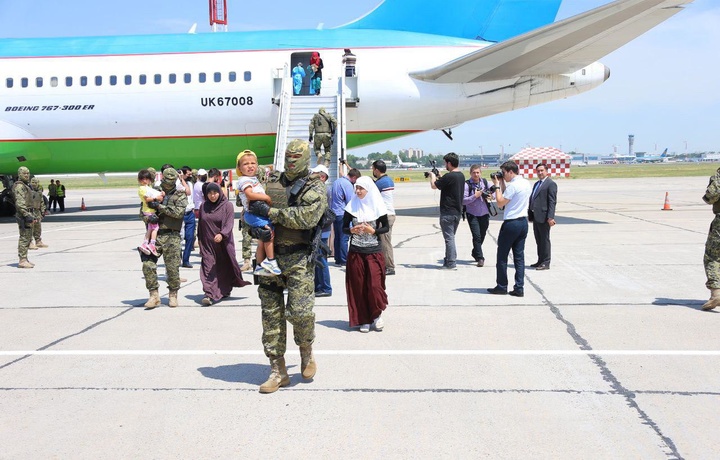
147, 195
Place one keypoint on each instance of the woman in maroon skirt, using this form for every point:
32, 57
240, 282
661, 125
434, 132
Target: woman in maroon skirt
219, 270
365, 218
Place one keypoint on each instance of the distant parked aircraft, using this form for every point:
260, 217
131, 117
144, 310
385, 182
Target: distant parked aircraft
663, 157
407, 164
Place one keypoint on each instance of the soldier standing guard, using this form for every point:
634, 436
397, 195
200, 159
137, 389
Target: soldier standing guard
306, 204
39, 210
23, 195
711, 259
324, 125
170, 211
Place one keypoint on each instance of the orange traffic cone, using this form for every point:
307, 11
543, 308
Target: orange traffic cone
666, 206
82, 205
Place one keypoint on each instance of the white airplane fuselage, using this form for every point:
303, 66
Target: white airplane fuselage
114, 126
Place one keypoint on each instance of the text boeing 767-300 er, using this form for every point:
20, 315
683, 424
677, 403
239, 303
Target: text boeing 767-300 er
122, 103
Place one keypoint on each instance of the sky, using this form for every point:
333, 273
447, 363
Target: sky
662, 88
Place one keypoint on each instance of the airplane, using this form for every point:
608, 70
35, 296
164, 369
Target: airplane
407, 164
122, 103
662, 158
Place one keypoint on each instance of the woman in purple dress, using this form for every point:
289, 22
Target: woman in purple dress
219, 270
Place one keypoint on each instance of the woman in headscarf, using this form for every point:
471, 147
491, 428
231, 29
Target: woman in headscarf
316, 66
365, 219
219, 270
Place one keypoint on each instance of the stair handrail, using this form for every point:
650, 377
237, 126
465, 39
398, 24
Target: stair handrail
341, 140
283, 120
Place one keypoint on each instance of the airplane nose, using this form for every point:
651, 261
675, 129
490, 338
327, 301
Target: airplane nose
607, 72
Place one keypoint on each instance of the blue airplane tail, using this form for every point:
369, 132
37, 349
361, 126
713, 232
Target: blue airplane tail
490, 20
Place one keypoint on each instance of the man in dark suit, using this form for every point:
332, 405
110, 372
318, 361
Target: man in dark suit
541, 213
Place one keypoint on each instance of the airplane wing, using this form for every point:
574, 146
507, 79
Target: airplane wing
563, 47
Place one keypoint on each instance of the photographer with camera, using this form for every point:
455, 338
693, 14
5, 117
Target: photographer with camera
476, 208
513, 193
451, 194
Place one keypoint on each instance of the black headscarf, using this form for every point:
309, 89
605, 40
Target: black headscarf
209, 206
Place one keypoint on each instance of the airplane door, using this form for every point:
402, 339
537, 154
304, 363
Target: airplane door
304, 60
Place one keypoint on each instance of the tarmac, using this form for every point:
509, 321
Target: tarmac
608, 355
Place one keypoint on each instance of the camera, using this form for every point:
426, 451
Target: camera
487, 193
434, 169
497, 175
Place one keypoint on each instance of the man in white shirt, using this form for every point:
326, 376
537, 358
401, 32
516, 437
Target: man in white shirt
514, 194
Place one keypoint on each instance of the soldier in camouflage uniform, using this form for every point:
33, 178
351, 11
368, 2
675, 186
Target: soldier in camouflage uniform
171, 212
24, 215
39, 209
711, 260
307, 201
324, 125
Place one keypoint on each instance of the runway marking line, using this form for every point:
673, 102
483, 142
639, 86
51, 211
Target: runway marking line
366, 352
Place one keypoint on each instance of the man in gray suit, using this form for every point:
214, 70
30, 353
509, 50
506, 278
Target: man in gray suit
541, 213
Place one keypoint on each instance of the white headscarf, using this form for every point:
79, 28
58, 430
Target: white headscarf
369, 208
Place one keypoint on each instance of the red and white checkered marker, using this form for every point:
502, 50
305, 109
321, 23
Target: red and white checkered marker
558, 162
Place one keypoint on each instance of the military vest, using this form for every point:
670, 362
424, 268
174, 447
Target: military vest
280, 195
35, 199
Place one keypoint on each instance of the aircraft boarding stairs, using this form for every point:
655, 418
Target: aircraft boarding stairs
295, 113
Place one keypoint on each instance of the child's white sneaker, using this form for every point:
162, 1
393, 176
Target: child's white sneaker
271, 266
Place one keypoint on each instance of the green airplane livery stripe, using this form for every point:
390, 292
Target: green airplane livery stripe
103, 155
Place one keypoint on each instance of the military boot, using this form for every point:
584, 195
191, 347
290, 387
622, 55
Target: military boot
278, 376
308, 367
247, 266
172, 299
32, 246
40, 244
714, 300
24, 263
154, 300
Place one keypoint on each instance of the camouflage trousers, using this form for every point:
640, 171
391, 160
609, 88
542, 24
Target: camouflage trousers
26, 235
168, 247
246, 242
299, 278
711, 259
324, 140
37, 228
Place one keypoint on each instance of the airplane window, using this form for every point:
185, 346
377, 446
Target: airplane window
248, 76
143, 79
128, 79
24, 82
39, 82
83, 81
54, 82
158, 78
201, 77
68, 81
98, 80
9, 82
583, 72
217, 77
172, 78
113, 80
232, 76
187, 78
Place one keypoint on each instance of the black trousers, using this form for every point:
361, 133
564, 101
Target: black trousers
541, 230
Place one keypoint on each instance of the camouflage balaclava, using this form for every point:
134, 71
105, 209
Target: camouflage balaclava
35, 184
297, 159
169, 180
24, 174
